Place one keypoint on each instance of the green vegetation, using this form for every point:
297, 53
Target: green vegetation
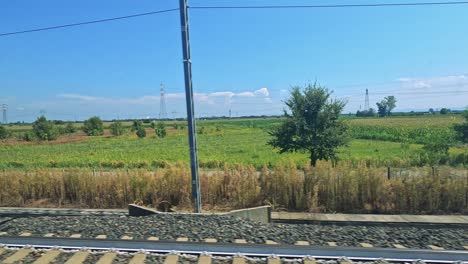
385, 107
117, 129
161, 130
462, 129
93, 126
141, 132
4, 133
45, 129
313, 125
390, 141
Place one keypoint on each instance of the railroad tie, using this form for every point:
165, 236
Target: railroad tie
107, 258
210, 240
366, 245
238, 260
171, 259
275, 260
78, 258
126, 238
204, 260
153, 238
182, 239
3, 233
2, 250
25, 234
75, 236
138, 259
48, 257
240, 241
302, 243
19, 255
332, 244
101, 237
399, 246
49, 235
345, 261
465, 247
270, 242
435, 247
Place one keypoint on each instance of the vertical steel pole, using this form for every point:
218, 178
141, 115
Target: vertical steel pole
190, 109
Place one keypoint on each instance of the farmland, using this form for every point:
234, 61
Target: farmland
382, 142
239, 169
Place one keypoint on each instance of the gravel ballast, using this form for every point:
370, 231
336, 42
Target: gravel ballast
227, 229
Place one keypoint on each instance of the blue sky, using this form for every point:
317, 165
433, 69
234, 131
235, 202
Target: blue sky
243, 60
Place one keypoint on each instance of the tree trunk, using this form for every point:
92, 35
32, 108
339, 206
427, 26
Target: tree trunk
313, 159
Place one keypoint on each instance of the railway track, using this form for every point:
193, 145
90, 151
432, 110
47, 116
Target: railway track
21, 249
114, 237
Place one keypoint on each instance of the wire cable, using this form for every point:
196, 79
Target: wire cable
333, 6
88, 22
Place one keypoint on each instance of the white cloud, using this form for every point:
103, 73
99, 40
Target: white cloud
263, 91
77, 97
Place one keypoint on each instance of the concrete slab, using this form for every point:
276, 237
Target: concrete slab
367, 219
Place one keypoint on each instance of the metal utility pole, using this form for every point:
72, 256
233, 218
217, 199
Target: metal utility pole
366, 103
162, 103
4, 110
183, 6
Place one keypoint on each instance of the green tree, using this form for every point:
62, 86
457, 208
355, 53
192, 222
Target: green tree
312, 126
45, 129
93, 126
4, 133
444, 111
386, 106
141, 132
117, 128
137, 124
462, 129
382, 109
160, 130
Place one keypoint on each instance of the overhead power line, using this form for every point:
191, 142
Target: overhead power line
88, 22
332, 5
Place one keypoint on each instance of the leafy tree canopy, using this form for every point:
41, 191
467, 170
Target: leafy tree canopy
312, 124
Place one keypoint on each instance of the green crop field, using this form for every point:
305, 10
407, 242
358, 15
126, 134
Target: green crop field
382, 141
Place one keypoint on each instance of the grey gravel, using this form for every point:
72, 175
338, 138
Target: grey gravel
227, 229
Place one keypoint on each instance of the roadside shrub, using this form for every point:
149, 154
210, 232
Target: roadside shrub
160, 130
117, 129
462, 129
93, 126
141, 132
4, 133
45, 129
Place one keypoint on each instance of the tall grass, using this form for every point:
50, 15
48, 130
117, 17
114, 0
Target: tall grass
321, 189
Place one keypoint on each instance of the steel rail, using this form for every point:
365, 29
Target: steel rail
250, 250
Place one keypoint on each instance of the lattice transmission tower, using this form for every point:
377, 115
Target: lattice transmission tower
162, 103
4, 111
366, 104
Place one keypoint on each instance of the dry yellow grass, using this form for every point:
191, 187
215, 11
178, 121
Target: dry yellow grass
321, 189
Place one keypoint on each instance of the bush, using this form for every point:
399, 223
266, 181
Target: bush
93, 126
70, 128
45, 129
137, 124
141, 132
160, 130
462, 129
117, 129
4, 133
28, 136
